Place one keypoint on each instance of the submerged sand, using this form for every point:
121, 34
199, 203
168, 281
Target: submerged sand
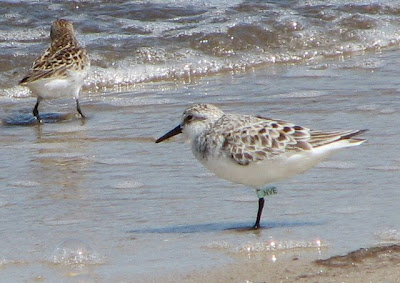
376, 264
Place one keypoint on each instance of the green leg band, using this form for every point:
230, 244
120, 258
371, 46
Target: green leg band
266, 192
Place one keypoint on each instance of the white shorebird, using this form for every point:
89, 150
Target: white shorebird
62, 68
255, 151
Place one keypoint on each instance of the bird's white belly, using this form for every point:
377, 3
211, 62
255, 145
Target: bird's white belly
258, 174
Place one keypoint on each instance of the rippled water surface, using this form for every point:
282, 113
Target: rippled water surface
99, 200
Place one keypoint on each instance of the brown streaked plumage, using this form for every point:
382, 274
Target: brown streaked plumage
61, 69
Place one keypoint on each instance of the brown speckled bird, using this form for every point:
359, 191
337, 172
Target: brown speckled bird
61, 70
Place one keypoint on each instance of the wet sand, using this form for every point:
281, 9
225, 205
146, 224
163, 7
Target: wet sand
151, 213
375, 264
99, 201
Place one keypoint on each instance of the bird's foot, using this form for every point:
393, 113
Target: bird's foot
38, 120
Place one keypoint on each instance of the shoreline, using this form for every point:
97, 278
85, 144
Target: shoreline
374, 264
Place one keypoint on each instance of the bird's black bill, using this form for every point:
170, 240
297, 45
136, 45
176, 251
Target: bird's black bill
170, 134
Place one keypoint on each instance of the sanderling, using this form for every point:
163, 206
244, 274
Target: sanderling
62, 68
253, 150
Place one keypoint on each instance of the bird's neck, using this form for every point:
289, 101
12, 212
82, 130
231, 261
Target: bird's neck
66, 40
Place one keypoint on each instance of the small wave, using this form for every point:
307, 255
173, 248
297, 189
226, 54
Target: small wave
240, 40
24, 184
132, 184
55, 221
276, 246
16, 92
385, 168
377, 109
337, 165
266, 246
388, 235
74, 252
153, 41
300, 94
9, 38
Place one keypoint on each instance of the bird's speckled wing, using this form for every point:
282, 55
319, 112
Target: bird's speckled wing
246, 139
56, 64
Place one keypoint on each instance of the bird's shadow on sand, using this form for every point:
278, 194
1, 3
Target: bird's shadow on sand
227, 227
27, 119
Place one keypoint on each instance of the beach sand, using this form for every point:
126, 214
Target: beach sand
376, 264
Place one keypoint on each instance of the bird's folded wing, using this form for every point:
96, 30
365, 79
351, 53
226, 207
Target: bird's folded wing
256, 138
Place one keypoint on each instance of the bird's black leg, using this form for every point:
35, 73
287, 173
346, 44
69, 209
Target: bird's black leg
260, 209
35, 109
78, 108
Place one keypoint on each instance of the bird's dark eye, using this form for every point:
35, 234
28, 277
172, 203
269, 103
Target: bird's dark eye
189, 118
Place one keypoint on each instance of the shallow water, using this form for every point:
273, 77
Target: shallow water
130, 208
